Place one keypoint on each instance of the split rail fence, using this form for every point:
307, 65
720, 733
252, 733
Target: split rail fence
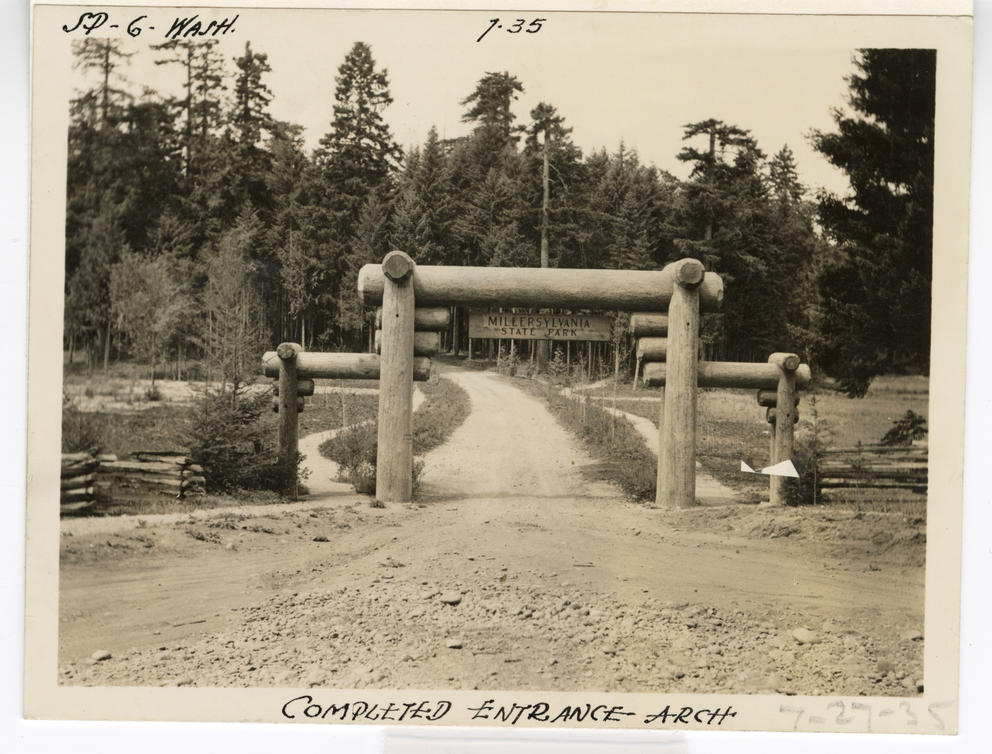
898, 468
90, 481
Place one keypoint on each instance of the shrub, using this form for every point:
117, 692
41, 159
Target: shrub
912, 426
809, 454
229, 441
80, 431
557, 368
355, 448
446, 407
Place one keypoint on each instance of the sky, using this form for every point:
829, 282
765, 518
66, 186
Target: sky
635, 77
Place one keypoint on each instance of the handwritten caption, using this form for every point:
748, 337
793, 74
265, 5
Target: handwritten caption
180, 27
305, 707
862, 715
835, 714
518, 25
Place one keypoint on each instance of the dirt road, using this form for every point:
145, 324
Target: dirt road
509, 572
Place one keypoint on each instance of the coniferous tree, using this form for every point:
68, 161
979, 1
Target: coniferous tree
558, 228
356, 157
250, 122
490, 178
425, 205
876, 285
289, 234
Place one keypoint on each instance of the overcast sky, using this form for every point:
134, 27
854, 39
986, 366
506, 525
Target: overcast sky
632, 77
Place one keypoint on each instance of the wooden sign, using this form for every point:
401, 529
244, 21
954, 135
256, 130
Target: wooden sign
528, 326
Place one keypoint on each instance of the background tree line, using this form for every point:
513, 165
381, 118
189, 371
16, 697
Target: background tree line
199, 227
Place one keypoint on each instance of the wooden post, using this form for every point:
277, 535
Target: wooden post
785, 415
394, 460
677, 422
770, 418
454, 331
289, 436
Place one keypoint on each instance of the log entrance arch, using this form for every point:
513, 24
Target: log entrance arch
683, 288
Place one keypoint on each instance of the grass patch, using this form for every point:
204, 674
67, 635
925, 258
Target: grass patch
624, 456
163, 428
445, 408
731, 427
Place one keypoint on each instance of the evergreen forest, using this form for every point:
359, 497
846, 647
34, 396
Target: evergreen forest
201, 230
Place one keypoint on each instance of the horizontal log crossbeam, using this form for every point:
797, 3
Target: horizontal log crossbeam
340, 366
730, 374
425, 318
424, 343
610, 290
644, 325
652, 349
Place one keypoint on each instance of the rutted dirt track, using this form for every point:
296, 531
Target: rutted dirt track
510, 572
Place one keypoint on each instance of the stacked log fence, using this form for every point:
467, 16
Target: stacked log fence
900, 470
101, 483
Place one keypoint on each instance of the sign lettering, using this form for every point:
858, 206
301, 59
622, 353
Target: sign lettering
527, 326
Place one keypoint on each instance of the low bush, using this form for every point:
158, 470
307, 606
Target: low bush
445, 408
80, 431
905, 430
232, 445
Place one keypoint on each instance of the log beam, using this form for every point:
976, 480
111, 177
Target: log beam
303, 387
652, 349
425, 318
424, 343
340, 366
730, 374
768, 398
626, 290
648, 325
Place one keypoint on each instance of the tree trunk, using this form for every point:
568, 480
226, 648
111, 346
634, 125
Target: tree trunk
454, 331
106, 349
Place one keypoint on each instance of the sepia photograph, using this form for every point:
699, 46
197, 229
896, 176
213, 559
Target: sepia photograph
515, 368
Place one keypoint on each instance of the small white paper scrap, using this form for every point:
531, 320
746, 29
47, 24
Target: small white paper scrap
783, 468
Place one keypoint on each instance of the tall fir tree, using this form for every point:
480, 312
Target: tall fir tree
355, 158
424, 209
876, 286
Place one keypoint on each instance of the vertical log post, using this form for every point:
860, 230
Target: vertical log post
677, 420
784, 426
770, 418
289, 422
394, 459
